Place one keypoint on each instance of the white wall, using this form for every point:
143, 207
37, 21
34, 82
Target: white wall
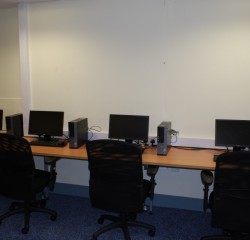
94, 58
10, 86
207, 63
182, 61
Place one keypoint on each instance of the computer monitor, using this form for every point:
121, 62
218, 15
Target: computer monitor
128, 127
14, 124
1, 119
232, 133
46, 124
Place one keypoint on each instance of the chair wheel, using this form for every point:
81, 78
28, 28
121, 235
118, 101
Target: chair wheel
100, 220
53, 217
151, 232
25, 230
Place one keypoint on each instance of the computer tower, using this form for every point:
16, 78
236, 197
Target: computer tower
1, 119
78, 132
14, 124
163, 138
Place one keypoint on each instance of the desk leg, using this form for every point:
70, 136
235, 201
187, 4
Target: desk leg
151, 172
50, 166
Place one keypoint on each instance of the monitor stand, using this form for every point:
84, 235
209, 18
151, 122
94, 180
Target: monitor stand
46, 138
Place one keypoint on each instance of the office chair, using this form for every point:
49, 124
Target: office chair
20, 181
116, 184
230, 199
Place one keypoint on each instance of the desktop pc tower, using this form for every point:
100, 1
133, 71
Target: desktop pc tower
14, 124
163, 138
78, 132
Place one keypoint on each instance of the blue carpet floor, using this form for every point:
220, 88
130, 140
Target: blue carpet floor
77, 220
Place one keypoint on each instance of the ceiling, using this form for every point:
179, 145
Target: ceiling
14, 3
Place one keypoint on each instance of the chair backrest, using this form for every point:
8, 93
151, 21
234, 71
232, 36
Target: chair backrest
116, 177
16, 167
231, 201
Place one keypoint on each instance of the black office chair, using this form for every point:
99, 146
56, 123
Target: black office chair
116, 184
20, 181
230, 200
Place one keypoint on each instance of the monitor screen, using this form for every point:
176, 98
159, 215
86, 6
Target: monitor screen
1, 119
46, 123
128, 127
232, 133
14, 124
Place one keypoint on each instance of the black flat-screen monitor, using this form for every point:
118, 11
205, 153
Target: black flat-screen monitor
46, 124
232, 133
1, 119
14, 124
128, 127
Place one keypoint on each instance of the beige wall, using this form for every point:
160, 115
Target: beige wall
10, 86
183, 61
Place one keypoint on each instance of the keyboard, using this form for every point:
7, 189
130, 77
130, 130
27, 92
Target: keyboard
54, 143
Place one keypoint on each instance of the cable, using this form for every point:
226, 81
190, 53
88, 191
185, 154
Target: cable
175, 134
94, 128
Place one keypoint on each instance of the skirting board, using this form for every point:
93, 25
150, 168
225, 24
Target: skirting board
159, 199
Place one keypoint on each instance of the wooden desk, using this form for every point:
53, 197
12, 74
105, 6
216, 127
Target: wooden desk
201, 159
61, 152
176, 158
182, 158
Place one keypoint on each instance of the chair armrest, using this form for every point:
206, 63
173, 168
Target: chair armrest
207, 179
51, 161
152, 170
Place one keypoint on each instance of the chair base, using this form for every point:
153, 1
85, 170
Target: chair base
27, 208
123, 221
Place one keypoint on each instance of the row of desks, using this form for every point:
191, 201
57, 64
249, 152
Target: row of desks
186, 158
177, 157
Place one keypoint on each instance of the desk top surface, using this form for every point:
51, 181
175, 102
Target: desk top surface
187, 158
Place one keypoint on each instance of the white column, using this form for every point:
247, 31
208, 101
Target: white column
24, 62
